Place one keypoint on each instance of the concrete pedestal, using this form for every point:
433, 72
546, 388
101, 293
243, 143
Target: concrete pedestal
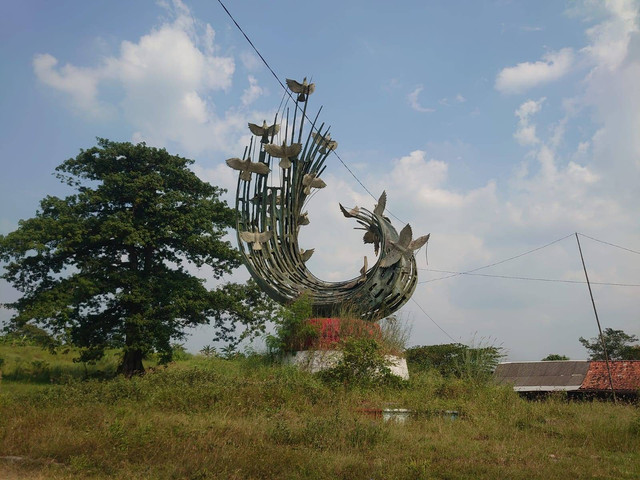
314, 361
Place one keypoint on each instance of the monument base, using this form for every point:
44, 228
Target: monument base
314, 361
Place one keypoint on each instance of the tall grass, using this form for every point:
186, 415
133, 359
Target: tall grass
211, 418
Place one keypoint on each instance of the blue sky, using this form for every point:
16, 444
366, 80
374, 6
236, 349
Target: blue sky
497, 126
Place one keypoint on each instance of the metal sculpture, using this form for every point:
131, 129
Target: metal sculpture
269, 218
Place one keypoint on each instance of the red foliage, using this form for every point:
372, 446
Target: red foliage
332, 330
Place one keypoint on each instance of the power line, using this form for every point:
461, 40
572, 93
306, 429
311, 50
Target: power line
610, 244
511, 277
467, 272
432, 320
305, 116
252, 45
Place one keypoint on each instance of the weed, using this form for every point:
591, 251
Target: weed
248, 418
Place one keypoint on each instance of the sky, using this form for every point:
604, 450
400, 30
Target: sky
499, 127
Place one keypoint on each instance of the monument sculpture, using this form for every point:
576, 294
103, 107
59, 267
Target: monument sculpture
280, 170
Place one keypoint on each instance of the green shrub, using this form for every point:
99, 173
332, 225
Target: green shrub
455, 359
293, 330
363, 364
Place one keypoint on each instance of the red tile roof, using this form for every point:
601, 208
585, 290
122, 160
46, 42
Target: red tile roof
625, 375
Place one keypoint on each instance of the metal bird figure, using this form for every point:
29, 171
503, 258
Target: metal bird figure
264, 131
325, 142
247, 167
303, 89
404, 247
306, 254
256, 238
371, 236
284, 152
349, 213
363, 275
303, 219
311, 181
363, 270
381, 205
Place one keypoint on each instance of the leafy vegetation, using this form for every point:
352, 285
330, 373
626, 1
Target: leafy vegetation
455, 360
554, 357
619, 346
106, 266
246, 418
363, 364
293, 331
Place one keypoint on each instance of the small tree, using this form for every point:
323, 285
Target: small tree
456, 359
619, 346
107, 266
552, 357
293, 330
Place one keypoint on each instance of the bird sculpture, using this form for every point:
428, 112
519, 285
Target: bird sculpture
349, 213
371, 236
306, 254
303, 219
284, 152
310, 181
326, 144
303, 89
363, 270
247, 167
381, 205
404, 247
264, 131
271, 212
256, 238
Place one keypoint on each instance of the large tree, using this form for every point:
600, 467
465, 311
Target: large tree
107, 266
619, 346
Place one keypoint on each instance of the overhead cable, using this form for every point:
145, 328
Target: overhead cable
290, 96
433, 321
497, 263
511, 277
610, 244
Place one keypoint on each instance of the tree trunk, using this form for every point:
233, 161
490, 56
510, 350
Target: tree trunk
131, 363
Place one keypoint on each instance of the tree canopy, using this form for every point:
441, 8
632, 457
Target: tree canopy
554, 357
619, 346
108, 265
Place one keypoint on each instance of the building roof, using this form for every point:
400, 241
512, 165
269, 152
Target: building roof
570, 375
564, 375
625, 375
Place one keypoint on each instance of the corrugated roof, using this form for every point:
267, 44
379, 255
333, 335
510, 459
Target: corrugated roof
562, 375
625, 375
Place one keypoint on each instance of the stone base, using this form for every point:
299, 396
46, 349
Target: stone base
314, 361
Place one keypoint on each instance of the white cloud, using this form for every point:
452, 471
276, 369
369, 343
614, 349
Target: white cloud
415, 103
166, 80
526, 133
526, 75
81, 84
253, 92
610, 38
250, 61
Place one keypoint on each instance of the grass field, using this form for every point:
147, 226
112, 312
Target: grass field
210, 418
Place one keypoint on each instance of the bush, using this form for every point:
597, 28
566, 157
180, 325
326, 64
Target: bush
363, 364
293, 330
455, 359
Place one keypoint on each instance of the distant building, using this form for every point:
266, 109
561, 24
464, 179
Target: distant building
577, 377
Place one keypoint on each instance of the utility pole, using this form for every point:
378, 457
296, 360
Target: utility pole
604, 344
